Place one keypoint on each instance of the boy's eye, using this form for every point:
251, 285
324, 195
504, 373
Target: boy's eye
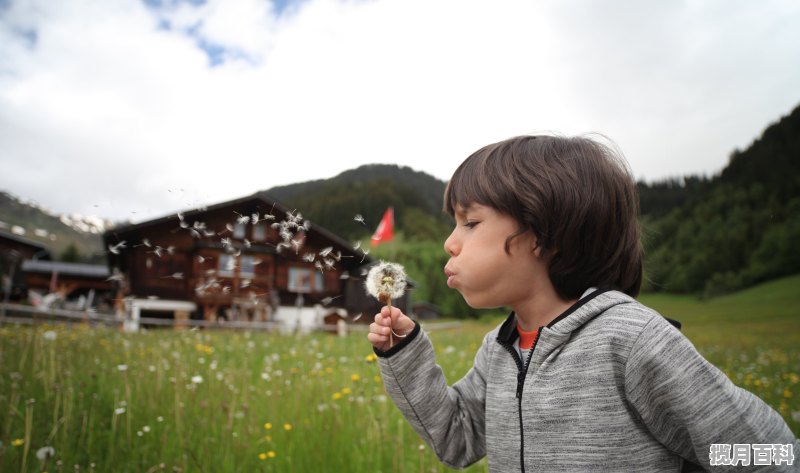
471, 224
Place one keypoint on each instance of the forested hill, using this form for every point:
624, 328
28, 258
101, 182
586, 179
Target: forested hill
369, 190
738, 228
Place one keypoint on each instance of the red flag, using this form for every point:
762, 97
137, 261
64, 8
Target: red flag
385, 230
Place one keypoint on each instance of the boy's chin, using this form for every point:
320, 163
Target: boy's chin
476, 303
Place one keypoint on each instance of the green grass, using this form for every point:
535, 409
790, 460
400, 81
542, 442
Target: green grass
109, 401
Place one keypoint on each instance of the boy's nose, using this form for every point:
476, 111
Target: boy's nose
450, 245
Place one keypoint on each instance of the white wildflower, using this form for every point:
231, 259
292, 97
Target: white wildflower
45, 453
197, 379
49, 335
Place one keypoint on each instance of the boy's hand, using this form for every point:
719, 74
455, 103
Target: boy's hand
385, 322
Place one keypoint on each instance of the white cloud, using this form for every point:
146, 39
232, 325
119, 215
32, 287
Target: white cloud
110, 111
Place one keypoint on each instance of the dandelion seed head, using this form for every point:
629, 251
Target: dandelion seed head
45, 453
386, 281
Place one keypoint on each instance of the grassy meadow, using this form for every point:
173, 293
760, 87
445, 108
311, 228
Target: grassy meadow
212, 401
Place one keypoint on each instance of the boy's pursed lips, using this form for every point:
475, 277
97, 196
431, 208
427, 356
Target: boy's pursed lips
450, 276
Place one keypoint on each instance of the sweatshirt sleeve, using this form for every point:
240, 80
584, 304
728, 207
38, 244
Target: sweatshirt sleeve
449, 419
688, 404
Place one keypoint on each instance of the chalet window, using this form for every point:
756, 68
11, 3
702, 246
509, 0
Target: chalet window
239, 230
260, 232
301, 280
228, 263
247, 266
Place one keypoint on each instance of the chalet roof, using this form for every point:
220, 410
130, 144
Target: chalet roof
67, 269
258, 196
25, 241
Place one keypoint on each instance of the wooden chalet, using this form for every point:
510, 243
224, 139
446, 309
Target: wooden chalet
14, 249
247, 259
76, 285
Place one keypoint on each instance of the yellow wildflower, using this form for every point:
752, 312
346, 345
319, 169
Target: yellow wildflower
268, 426
17, 442
337, 396
346, 391
287, 427
355, 378
262, 456
271, 454
371, 358
787, 393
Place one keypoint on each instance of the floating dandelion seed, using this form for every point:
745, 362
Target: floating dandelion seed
254, 218
386, 281
174, 276
117, 276
357, 316
115, 248
145, 242
360, 219
327, 300
326, 251
364, 255
297, 244
318, 265
309, 257
201, 259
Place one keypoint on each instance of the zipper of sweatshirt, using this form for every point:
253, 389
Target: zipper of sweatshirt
522, 372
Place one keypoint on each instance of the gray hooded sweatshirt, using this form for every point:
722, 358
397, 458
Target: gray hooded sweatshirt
610, 385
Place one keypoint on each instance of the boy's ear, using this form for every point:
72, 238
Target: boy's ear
536, 249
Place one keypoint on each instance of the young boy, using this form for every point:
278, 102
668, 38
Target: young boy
580, 377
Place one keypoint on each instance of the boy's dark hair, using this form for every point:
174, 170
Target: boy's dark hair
577, 197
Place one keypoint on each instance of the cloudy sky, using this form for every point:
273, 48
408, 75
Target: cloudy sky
132, 109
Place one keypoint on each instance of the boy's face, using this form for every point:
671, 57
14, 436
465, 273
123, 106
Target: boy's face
480, 268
